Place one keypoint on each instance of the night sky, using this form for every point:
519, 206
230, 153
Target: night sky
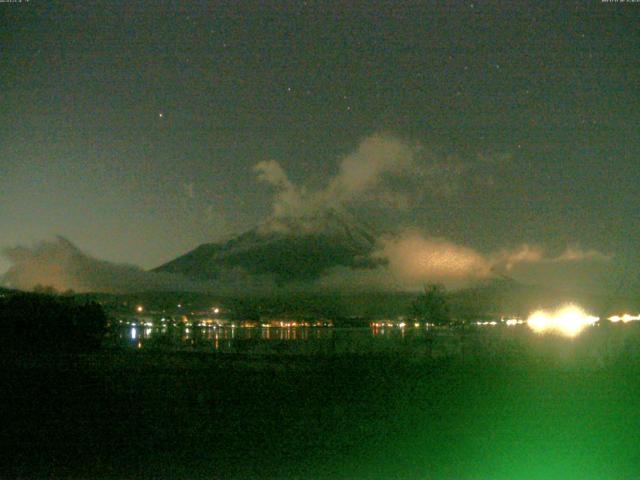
133, 128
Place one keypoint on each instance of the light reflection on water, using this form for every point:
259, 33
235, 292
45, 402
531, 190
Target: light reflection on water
267, 339
596, 344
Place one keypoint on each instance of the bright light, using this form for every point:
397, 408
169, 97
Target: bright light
402, 325
568, 320
216, 310
139, 309
624, 318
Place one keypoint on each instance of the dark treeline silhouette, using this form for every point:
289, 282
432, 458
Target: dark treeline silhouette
432, 306
37, 321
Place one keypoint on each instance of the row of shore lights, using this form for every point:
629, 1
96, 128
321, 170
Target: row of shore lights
140, 308
568, 320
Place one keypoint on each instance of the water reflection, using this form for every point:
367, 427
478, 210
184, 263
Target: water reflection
267, 339
509, 340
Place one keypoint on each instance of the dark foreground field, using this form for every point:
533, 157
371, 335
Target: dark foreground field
128, 414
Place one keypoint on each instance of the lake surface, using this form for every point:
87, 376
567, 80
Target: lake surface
494, 403
264, 340
595, 344
136, 412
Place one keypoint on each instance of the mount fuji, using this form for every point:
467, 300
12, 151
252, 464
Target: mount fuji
290, 249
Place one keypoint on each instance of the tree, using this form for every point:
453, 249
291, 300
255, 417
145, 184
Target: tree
33, 321
44, 289
432, 307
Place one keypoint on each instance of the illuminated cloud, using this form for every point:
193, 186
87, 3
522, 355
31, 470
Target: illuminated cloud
522, 254
414, 258
528, 254
575, 254
289, 200
406, 261
384, 169
60, 264
363, 170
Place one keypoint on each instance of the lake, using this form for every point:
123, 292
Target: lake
328, 403
597, 343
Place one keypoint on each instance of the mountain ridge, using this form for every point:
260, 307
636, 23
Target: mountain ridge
289, 249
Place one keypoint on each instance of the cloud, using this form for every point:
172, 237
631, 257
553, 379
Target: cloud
408, 260
383, 168
527, 254
390, 173
415, 258
507, 259
271, 172
575, 254
289, 199
60, 264
386, 171
363, 170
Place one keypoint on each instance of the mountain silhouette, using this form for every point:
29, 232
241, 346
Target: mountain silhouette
291, 249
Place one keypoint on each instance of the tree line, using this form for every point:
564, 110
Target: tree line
39, 321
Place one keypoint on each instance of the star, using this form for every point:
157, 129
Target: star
161, 115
